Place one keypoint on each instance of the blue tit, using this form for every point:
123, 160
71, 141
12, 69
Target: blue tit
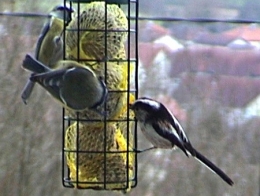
49, 47
74, 85
163, 130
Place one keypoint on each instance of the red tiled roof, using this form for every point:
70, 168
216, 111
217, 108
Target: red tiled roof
218, 60
230, 91
150, 31
148, 51
247, 32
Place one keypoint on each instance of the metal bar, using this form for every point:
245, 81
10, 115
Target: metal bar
136, 87
201, 20
105, 105
128, 95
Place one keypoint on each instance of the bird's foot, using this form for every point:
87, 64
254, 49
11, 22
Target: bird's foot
144, 150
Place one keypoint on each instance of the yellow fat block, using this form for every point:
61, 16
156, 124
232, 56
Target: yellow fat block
90, 166
87, 166
92, 43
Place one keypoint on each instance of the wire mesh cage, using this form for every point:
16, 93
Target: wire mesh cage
98, 148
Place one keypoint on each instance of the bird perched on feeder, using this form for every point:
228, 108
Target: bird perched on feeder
75, 85
97, 34
163, 130
49, 47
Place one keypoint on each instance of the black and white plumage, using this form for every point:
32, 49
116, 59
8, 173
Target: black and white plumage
163, 130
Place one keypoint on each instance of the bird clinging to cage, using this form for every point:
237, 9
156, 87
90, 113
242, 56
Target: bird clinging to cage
75, 85
116, 83
49, 47
163, 130
95, 36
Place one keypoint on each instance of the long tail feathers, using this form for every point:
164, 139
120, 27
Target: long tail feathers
212, 167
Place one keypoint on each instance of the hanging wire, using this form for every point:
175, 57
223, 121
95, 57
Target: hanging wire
142, 18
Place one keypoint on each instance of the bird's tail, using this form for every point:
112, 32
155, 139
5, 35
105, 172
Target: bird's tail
213, 167
31, 64
27, 91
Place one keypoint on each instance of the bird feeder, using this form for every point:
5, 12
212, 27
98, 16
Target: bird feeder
98, 150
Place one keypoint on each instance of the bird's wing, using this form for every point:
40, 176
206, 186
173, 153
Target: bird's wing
44, 31
178, 128
169, 132
51, 78
51, 81
180, 132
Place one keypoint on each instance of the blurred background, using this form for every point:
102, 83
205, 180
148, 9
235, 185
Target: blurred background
206, 73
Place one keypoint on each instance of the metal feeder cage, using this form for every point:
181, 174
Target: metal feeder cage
98, 150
